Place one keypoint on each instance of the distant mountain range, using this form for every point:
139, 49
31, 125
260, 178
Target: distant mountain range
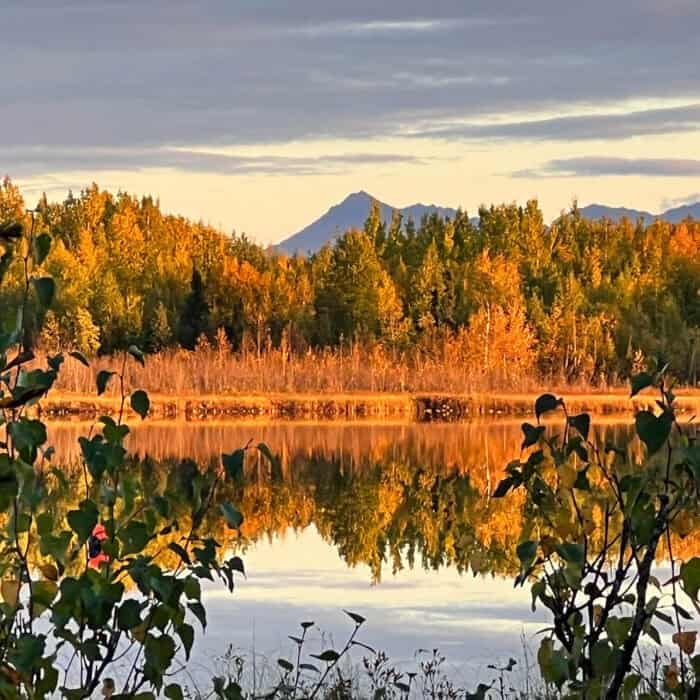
352, 212
599, 211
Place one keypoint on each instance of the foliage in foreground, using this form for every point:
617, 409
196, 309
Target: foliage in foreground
356, 671
603, 596
73, 606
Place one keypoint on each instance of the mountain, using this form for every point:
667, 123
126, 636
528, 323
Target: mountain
600, 211
679, 213
352, 213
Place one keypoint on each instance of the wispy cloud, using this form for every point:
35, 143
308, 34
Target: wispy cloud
373, 28
673, 202
45, 161
601, 166
581, 127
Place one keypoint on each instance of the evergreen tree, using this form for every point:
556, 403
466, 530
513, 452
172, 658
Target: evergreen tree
194, 320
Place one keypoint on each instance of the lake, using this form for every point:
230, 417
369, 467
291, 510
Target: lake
389, 521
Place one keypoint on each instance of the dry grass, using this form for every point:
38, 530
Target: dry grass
443, 369
370, 383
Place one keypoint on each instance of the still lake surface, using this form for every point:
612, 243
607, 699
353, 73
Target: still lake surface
389, 521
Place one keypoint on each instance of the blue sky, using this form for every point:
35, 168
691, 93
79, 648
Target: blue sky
260, 115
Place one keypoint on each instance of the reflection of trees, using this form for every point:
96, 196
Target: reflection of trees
393, 506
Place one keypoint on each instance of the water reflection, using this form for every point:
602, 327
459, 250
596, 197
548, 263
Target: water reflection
383, 496
385, 519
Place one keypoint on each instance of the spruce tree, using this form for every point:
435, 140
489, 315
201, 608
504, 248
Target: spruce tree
194, 320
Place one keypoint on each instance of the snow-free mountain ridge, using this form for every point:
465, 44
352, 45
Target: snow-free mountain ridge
352, 212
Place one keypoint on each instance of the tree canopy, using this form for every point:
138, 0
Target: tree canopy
577, 299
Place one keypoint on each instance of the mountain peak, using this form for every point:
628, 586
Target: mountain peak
351, 212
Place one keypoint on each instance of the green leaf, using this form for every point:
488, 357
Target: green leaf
77, 355
45, 289
582, 483
41, 248
695, 662
357, 619
159, 651
173, 692
582, 424
310, 667
526, 552
571, 552
181, 552
43, 593
192, 588
283, 663
83, 521
653, 633
553, 663
618, 629
503, 487
546, 403
329, 656
103, 377
140, 403
690, 576
137, 354
532, 434
653, 431
640, 382
27, 652
267, 453
199, 612
186, 634
129, 614
49, 571
629, 686
56, 546
10, 231
236, 564
134, 537
27, 435
603, 657
233, 464
232, 515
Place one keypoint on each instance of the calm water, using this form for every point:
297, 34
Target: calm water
389, 521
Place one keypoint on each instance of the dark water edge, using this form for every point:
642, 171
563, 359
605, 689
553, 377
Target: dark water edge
361, 407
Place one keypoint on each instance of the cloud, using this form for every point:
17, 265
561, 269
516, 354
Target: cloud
601, 166
169, 72
673, 202
43, 161
374, 28
579, 127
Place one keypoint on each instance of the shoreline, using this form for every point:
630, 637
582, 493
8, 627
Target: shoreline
348, 406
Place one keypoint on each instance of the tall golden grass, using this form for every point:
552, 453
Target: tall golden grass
448, 367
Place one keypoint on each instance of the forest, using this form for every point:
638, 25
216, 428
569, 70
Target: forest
574, 301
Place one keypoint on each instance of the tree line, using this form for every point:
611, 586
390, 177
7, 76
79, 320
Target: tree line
574, 300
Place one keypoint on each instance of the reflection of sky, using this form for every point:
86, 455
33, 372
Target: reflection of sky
473, 621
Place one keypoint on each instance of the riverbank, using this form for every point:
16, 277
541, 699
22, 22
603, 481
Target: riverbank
409, 407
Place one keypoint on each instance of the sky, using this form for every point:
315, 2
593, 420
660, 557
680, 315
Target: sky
258, 115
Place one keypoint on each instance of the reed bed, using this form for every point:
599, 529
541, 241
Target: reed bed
213, 370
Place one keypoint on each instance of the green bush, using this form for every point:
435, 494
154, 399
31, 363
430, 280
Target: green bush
67, 616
